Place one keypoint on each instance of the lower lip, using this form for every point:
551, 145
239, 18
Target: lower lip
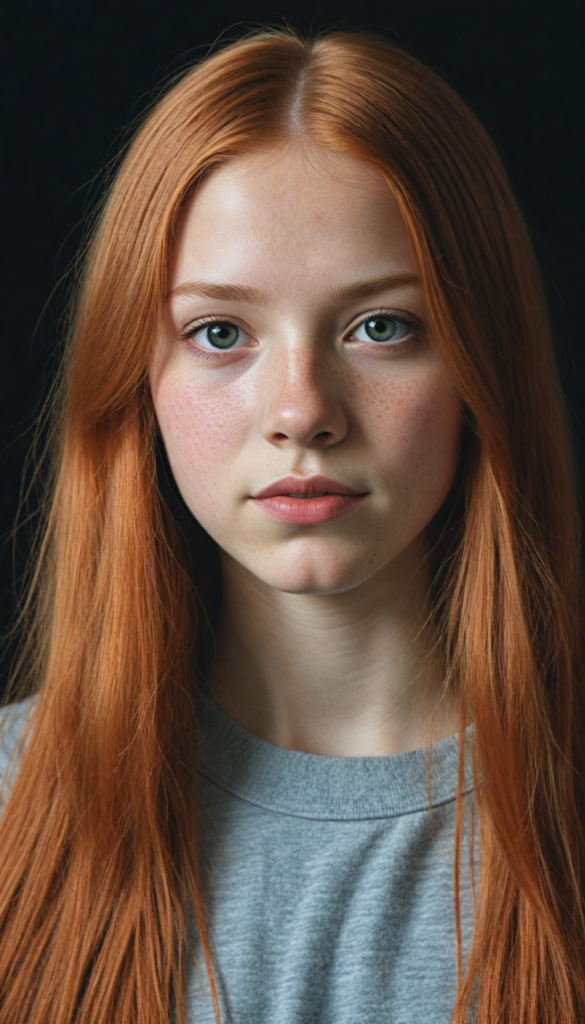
307, 511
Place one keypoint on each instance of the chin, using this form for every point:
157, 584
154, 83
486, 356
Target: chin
312, 577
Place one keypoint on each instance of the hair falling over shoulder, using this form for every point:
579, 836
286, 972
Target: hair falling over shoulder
98, 865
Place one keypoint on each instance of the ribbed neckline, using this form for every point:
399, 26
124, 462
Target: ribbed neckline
325, 788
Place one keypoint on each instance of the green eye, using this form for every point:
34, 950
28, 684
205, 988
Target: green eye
218, 335
221, 335
383, 328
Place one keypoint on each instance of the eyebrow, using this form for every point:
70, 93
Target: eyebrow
223, 292
361, 289
241, 293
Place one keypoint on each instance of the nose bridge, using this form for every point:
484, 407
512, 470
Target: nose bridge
302, 368
303, 396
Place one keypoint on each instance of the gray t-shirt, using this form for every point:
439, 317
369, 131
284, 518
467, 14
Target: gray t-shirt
329, 885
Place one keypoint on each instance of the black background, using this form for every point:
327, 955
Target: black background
75, 75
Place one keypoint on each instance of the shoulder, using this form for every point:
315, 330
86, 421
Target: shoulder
13, 718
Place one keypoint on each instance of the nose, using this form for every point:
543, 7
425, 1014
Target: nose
304, 403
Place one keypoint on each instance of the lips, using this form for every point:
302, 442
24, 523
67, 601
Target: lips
306, 486
307, 501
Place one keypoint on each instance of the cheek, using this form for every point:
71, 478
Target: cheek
201, 428
415, 426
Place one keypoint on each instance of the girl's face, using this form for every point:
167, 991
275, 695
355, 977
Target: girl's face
295, 346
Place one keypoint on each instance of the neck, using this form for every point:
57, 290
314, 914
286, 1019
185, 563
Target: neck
348, 674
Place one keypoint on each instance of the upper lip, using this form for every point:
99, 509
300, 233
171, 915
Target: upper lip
305, 485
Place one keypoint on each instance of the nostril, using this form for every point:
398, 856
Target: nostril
321, 435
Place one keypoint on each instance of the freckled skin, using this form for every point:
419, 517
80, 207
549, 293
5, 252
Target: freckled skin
300, 396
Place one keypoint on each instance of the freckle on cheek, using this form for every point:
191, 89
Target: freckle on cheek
197, 428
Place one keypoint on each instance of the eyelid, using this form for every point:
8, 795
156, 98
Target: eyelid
188, 332
211, 318
405, 318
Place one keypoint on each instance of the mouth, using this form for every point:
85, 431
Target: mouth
305, 501
306, 487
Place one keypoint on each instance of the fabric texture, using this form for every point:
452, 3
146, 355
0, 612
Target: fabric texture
12, 721
329, 881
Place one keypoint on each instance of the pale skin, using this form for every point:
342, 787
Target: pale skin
323, 643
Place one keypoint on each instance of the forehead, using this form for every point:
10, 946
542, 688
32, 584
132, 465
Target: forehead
269, 214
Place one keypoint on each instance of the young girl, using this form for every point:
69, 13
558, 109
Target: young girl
307, 638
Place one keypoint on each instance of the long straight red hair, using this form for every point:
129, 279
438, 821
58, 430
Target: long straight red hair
98, 864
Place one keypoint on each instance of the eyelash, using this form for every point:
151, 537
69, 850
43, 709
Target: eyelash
203, 353
401, 345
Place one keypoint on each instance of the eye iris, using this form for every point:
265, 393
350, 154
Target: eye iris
222, 335
380, 328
